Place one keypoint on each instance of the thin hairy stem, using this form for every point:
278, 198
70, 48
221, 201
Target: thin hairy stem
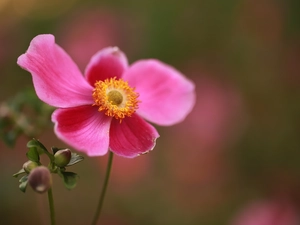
51, 206
104, 187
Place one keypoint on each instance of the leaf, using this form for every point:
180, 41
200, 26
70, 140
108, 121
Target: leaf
40, 147
23, 183
18, 173
9, 130
24, 178
9, 135
75, 158
70, 179
33, 155
23, 114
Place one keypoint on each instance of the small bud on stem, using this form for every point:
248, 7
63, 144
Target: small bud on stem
62, 157
40, 179
29, 165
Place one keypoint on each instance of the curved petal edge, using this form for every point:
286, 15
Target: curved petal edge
107, 63
166, 95
83, 128
56, 78
132, 137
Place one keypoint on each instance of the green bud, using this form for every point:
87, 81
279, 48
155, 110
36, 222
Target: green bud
62, 157
29, 165
40, 179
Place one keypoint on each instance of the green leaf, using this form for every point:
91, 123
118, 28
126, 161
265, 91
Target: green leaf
23, 183
33, 155
9, 137
75, 158
24, 178
23, 114
18, 173
70, 179
40, 147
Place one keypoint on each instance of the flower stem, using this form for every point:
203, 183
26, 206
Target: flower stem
51, 206
104, 187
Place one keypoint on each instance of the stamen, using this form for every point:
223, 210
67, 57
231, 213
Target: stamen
115, 97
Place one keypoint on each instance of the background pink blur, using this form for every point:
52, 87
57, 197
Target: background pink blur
235, 160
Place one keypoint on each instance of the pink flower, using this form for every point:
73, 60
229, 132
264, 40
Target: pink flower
104, 108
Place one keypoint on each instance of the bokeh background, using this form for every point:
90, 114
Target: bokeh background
235, 160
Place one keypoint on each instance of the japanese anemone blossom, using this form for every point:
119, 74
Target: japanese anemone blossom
104, 109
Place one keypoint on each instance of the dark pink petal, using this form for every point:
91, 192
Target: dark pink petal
166, 95
83, 128
56, 78
132, 137
107, 63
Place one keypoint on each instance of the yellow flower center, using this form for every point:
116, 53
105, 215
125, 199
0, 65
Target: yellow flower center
115, 97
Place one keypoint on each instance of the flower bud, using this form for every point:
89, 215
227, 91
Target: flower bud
62, 157
40, 179
29, 165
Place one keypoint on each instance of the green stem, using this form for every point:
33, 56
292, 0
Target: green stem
51, 206
104, 187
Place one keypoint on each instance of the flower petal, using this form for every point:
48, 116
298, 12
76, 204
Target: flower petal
166, 95
107, 63
83, 128
56, 78
132, 137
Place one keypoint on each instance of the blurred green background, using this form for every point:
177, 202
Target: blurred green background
236, 158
